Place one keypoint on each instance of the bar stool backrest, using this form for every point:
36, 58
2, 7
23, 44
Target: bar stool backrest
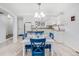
38, 47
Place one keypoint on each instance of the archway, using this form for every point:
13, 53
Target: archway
11, 28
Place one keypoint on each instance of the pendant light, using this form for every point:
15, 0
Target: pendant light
39, 14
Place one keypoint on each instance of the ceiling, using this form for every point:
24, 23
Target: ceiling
23, 9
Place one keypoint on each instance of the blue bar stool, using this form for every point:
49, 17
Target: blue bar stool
23, 35
38, 47
51, 35
27, 47
48, 46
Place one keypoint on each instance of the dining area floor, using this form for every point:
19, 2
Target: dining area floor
8, 48
58, 50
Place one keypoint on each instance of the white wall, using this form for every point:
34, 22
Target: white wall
70, 36
20, 25
3, 20
9, 26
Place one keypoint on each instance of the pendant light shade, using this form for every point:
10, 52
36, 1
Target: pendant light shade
42, 14
39, 14
36, 14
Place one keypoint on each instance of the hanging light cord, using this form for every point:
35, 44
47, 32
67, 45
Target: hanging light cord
39, 4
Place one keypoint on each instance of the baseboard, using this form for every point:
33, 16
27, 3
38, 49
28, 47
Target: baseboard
6, 40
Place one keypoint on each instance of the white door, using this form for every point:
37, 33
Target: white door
27, 26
